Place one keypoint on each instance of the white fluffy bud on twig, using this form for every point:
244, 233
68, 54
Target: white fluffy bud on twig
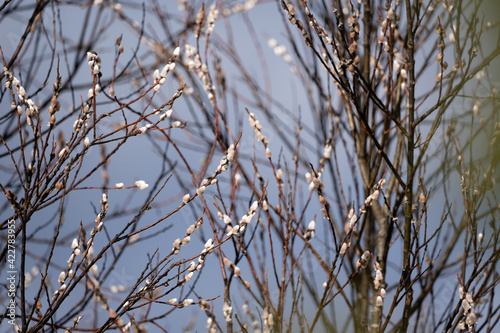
200, 190
187, 302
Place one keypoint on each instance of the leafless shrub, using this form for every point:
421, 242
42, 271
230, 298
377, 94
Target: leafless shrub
169, 168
